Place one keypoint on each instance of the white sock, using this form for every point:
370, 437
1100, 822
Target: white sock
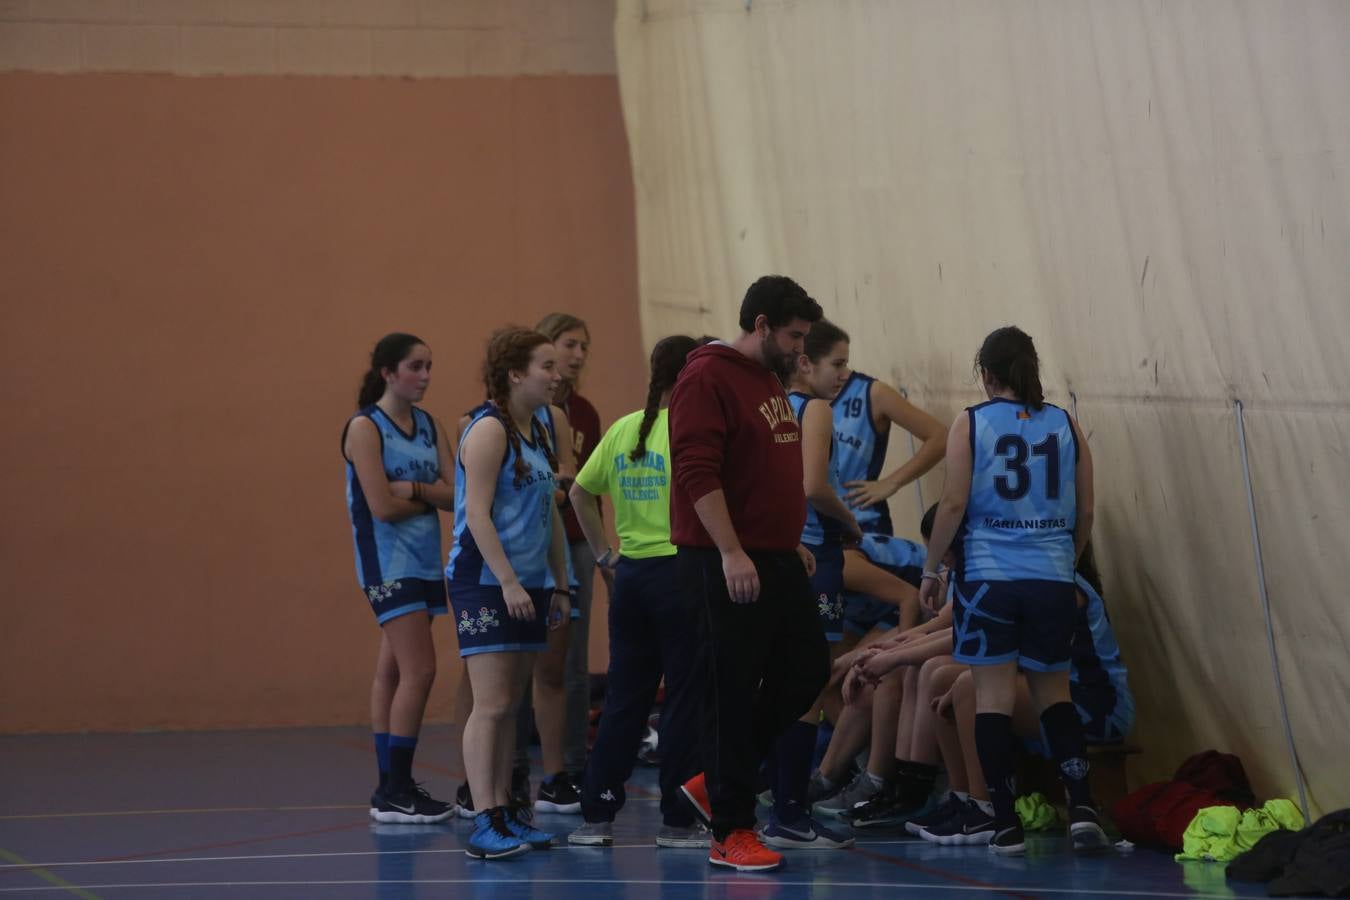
963, 796
986, 807
875, 780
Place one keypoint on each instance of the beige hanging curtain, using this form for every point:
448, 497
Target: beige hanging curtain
1159, 192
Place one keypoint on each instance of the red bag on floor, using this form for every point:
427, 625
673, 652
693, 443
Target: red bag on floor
1221, 773
1158, 814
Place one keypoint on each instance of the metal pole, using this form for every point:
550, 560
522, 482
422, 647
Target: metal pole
1265, 606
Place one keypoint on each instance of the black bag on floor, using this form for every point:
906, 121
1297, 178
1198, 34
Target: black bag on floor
1313, 861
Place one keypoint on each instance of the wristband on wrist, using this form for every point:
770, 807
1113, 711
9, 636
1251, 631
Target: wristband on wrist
927, 575
562, 592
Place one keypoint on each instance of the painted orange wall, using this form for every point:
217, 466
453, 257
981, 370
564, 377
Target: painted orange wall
192, 272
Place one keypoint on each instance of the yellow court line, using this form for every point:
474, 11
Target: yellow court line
11, 857
178, 812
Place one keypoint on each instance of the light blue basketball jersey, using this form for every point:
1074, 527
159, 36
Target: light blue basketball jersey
902, 558
522, 513
1023, 503
411, 548
819, 529
859, 450
1096, 656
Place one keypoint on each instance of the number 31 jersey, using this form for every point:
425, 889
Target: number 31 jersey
1023, 501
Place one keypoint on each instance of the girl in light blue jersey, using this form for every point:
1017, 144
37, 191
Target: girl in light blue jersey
864, 410
1017, 510
820, 372
507, 573
397, 459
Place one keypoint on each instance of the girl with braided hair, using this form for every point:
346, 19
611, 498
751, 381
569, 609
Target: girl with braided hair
507, 572
652, 625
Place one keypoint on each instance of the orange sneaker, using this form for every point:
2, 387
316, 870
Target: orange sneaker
743, 852
695, 790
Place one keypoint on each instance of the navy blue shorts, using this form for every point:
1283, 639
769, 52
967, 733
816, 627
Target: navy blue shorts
484, 626
1030, 622
862, 613
828, 586
406, 595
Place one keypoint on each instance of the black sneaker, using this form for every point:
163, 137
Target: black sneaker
884, 811
971, 826
948, 808
464, 800
1085, 831
410, 806
557, 795
520, 787
1010, 841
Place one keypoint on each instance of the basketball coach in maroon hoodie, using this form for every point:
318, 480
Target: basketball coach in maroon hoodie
737, 510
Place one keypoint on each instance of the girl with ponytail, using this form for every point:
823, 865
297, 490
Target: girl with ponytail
818, 375
507, 573
1017, 511
562, 676
652, 625
397, 459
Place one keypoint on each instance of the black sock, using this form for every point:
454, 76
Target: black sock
994, 742
382, 756
1064, 734
791, 769
914, 781
401, 751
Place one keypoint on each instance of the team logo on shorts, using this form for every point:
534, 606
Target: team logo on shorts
830, 609
378, 593
487, 618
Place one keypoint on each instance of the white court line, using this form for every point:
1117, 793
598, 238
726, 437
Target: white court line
180, 812
321, 855
767, 881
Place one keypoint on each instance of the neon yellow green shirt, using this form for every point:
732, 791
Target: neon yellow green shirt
640, 491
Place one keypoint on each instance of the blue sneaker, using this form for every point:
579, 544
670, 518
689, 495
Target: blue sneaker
492, 838
518, 821
803, 834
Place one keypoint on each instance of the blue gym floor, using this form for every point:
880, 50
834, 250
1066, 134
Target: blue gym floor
284, 814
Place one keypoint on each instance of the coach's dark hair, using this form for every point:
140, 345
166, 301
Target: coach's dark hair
668, 358
1087, 567
389, 351
780, 300
509, 350
821, 339
1009, 355
926, 523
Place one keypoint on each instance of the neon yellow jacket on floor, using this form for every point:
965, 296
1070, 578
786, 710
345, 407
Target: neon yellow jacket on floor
1221, 833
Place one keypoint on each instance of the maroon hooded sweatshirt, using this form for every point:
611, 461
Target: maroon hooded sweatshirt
732, 428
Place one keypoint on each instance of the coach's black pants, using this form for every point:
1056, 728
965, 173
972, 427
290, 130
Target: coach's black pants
767, 662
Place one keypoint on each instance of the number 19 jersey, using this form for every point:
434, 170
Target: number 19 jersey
1023, 501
